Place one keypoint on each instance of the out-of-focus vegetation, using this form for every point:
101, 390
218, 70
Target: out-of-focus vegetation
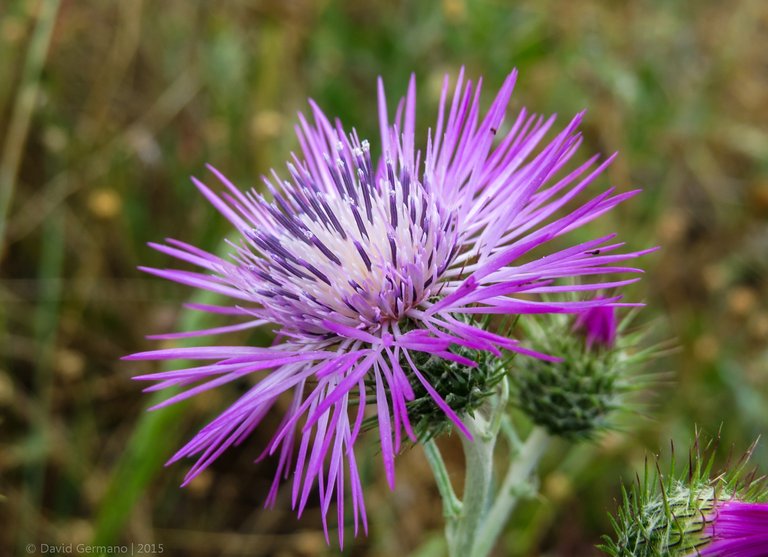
107, 107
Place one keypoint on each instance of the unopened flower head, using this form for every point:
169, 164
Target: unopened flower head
599, 371
693, 512
366, 258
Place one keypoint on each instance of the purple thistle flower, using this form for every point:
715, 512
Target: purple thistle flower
736, 529
598, 325
362, 262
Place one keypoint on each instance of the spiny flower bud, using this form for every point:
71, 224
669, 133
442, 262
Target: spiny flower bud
692, 514
576, 397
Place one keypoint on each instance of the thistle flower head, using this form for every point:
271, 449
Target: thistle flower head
693, 512
369, 265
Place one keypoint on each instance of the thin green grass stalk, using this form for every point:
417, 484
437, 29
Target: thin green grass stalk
153, 441
46, 322
24, 107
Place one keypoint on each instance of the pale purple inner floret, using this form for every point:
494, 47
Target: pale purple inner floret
359, 262
361, 255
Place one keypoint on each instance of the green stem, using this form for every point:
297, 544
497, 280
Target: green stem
516, 483
474, 524
451, 503
511, 436
500, 410
478, 455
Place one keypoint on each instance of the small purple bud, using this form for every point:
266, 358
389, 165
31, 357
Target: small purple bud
598, 325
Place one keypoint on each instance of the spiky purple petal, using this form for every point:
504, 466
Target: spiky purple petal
737, 529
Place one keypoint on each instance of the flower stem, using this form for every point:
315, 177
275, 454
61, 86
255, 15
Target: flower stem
451, 503
474, 524
478, 454
515, 483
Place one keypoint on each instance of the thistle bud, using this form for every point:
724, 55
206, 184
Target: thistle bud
692, 514
577, 396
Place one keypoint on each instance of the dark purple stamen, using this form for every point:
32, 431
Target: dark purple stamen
393, 248
359, 221
334, 220
323, 248
315, 271
363, 255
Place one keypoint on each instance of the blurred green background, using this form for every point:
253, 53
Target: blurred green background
106, 108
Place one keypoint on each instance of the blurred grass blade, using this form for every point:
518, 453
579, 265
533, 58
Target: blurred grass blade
150, 446
24, 107
153, 441
155, 437
46, 325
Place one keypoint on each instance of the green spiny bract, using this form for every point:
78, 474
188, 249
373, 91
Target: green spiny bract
463, 388
667, 514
